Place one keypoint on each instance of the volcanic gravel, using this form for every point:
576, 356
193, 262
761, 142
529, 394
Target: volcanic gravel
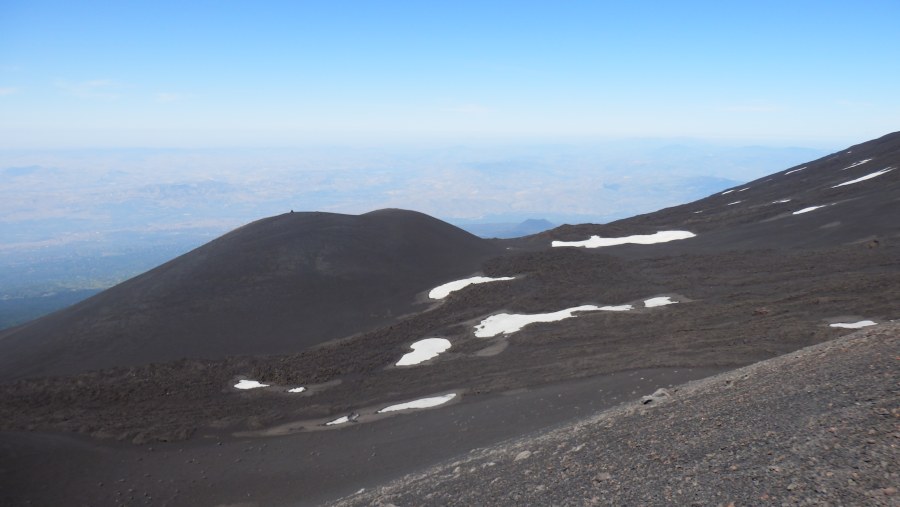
820, 426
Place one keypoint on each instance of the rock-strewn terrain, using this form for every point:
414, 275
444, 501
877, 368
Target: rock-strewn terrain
820, 426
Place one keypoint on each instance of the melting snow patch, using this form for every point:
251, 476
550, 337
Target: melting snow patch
745, 188
854, 325
781, 201
807, 210
424, 350
421, 403
619, 308
442, 291
866, 177
638, 239
249, 384
727, 192
861, 162
339, 420
297, 390
660, 301
795, 170
735, 202
507, 323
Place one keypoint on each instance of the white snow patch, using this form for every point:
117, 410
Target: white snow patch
424, 350
619, 308
339, 420
660, 301
795, 170
638, 239
297, 390
735, 202
781, 201
727, 192
745, 188
807, 210
866, 177
249, 384
420, 403
508, 323
701, 211
861, 162
442, 291
854, 325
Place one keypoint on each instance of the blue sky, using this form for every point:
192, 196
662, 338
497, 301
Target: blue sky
208, 74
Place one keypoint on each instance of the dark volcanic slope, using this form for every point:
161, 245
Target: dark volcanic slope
277, 285
747, 437
754, 215
757, 282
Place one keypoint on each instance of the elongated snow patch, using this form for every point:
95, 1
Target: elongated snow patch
619, 308
795, 170
638, 239
854, 325
420, 403
508, 323
442, 291
249, 384
807, 210
424, 350
866, 177
660, 301
861, 162
339, 420
297, 390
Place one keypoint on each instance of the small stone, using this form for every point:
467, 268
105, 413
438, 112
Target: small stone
523, 455
602, 476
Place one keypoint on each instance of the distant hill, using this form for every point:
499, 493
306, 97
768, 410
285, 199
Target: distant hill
278, 285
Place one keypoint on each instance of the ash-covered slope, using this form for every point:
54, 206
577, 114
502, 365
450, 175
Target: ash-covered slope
574, 331
746, 437
278, 285
846, 197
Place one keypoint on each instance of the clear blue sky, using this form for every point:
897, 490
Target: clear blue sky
217, 73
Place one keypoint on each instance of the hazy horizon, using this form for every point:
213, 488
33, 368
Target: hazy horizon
125, 126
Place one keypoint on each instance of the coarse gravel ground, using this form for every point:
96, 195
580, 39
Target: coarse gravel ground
820, 426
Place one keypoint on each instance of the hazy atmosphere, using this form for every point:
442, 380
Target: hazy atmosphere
132, 132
